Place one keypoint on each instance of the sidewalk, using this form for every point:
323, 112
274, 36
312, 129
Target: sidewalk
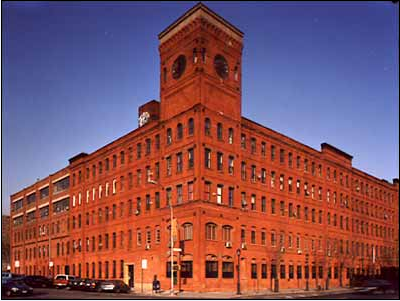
264, 294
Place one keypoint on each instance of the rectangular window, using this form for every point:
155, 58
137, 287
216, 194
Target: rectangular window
179, 194
253, 145
291, 271
207, 158
230, 196
211, 269
169, 165
220, 161
179, 163
272, 153
207, 191
253, 271
227, 269
263, 271
299, 272
263, 149
191, 158
263, 204
186, 269
190, 191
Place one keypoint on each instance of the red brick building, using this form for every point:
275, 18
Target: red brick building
296, 214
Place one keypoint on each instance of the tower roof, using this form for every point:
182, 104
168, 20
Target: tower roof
200, 10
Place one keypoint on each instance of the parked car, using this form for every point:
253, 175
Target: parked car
92, 284
116, 286
63, 280
15, 287
75, 283
37, 281
9, 275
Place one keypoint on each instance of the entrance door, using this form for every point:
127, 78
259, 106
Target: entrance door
131, 275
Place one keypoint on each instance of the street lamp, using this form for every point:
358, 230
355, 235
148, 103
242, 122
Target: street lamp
238, 251
171, 237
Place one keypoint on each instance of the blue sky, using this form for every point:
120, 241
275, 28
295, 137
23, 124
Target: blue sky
73, 75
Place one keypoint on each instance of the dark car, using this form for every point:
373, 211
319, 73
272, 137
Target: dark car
377, 284
75, 284
92, 285
38, 281
15, 287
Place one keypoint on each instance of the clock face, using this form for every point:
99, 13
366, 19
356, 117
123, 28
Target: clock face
143, 118
221, 66
179, 66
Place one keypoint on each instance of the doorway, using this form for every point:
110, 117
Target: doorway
131, 275
66, 269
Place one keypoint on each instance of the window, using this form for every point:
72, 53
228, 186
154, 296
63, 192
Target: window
305, 165
243, 141
253, 145
291, 271
253, 237
272, 179
211, 231
253, 174
282, 156
230, 136
299, 272
61, 185
207, 191
244, 202
190, 157
191, 127
44, 192
207, 127
230, 196
219, 131
273, 239
186, 269
290, 160
148, 146
283, 274
211, 269
243, 170
227, 269
253, 202
179, 163
290, 181
220, 161
179, 131
168, 195
207, 158
190, 191
169, 136
148, 202
282, 208
263, 148
272, 153
273, 206
139, 237
263, 204
219, 193
187, 231
230, 165
157, 142
179, 194
253, 271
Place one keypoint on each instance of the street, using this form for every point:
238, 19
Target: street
52, 293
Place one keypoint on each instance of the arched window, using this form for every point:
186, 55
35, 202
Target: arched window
191, 126
207, 126
211, 233
169, 136
219, 131
187, 231
179, 131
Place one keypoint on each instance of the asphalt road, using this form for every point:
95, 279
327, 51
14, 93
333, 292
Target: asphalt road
52, 293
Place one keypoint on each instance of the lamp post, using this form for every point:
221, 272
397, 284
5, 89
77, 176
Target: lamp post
238, 251
149, 180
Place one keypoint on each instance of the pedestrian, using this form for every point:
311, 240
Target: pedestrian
156, 285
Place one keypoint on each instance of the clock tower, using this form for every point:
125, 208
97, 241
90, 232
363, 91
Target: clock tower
200, 62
